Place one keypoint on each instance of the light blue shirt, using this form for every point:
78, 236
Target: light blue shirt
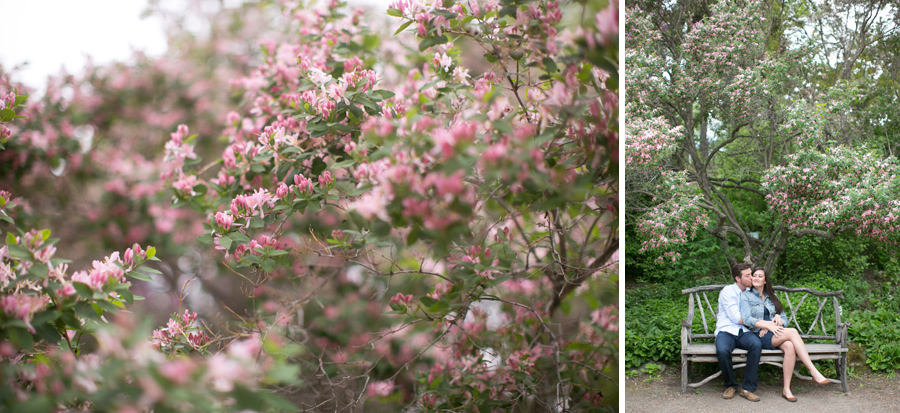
729, 315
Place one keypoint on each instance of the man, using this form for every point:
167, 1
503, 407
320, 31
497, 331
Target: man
731, 332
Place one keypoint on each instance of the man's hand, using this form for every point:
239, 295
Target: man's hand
777, 320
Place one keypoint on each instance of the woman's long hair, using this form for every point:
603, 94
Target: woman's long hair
770, 292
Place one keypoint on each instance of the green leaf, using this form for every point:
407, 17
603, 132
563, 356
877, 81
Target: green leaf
83, 290
402, 26
18, 251
413, 236
7, 115
432, 41
342, 128
439, 306
549, 64
87, 310
45, 317
267, 265
427, 301
205, 239
127, 296
318, 166
239, 237
107, 306
39, 270
395, 13
151, 252
21, 338
225, 242
445, 13
147, 270
385, 94
140, 276
381, 228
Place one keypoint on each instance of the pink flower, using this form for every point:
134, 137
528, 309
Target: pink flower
224, 219
6, 274
282, 190
402, 299
381, 388
325, 179
67, 290
305, 185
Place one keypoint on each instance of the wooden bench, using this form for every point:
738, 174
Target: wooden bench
835, 349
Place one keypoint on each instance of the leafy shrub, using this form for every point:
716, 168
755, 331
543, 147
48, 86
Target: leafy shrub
653, 326
845, 256
878, 331
698, 257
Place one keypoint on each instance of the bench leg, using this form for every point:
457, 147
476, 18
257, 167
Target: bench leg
843, 373
685, 365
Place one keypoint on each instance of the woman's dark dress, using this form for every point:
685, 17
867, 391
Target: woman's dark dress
766, 340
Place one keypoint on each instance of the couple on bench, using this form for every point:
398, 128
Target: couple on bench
751, 317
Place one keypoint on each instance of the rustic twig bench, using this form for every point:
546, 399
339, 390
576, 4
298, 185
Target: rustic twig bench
692, 351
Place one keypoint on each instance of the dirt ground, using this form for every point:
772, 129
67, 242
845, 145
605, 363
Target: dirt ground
869, 392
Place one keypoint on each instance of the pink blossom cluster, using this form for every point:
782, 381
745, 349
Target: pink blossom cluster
256, 247
650, 141
7, 100
676, 220
180, 331
22, 306
843, 188
102, 273
401, 299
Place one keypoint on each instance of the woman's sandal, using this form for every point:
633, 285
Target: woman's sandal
823, 382
790, 399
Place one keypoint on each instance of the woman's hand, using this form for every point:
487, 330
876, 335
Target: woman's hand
776, 329
763, 332
778, 321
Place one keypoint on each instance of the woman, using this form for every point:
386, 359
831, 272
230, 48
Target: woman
762, 310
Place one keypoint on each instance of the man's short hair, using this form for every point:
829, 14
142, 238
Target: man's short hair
738, 268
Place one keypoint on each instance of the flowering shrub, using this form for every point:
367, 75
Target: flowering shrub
729, 133
409, 225
843, 188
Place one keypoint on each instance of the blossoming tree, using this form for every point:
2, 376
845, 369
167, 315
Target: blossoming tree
739, 105
410, 225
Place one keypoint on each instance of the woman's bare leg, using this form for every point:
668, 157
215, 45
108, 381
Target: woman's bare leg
793, 336
790, 359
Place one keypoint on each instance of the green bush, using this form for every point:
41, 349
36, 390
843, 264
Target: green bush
701, 256
845, 257
878, 332
653, 315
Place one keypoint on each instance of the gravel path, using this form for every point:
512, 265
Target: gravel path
868, 393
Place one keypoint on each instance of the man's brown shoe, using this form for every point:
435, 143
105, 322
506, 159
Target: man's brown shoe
749, 395
729, 393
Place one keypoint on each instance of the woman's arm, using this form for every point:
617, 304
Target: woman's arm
784, 319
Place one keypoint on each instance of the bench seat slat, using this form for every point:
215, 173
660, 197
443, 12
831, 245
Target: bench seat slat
813, 348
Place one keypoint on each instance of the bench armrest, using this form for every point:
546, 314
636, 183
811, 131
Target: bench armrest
841, 334
685, 333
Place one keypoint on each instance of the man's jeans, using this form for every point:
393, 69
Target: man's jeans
725, 344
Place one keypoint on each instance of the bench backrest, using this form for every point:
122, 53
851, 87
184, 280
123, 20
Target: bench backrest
706, 299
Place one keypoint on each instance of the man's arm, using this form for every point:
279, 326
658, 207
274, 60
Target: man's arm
731, 304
